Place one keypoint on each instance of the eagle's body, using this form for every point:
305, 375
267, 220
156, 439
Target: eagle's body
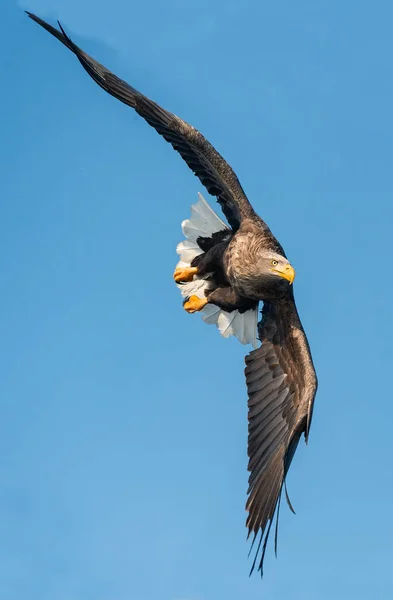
224, 272
242, 266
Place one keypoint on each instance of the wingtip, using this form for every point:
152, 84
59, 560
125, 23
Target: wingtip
60, 34
307, 434
287, 498
34, 17
260, 569
62, 31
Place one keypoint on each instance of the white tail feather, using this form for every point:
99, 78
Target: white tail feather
204, 222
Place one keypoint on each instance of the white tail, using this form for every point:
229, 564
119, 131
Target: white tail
204, 222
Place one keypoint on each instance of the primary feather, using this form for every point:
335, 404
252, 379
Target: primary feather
207, 164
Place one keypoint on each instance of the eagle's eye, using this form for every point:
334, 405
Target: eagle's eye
274, 262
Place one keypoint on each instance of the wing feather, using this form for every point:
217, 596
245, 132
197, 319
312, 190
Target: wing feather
281, 384
206, 163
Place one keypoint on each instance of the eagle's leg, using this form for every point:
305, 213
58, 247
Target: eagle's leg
211, 260
224, 297
227, 299
207, 262
184, 274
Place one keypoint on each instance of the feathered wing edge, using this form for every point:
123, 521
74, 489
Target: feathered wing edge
204, 222
274, 483
201, 157
281, 385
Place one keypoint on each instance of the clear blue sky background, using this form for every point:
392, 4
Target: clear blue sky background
123, 419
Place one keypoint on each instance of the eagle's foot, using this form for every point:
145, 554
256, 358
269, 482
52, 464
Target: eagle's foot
194, 304
184, 274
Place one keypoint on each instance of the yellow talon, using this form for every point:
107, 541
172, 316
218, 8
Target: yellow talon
184, 274
194, 304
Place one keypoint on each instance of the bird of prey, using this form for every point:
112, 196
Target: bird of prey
225, 272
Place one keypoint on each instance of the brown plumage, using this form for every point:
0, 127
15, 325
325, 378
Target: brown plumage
248, 265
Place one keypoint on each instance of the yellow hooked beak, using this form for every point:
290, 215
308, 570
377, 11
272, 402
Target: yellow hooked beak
287, 272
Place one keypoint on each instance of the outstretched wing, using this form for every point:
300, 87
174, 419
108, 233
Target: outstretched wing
207, 164
281, 384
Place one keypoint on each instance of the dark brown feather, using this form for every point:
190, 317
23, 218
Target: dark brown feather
281, 384
207, 164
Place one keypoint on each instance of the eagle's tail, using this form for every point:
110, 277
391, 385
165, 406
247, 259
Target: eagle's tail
203, 223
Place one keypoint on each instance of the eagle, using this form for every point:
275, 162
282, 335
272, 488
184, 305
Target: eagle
224, 273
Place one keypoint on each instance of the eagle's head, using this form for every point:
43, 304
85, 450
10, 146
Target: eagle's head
275, 274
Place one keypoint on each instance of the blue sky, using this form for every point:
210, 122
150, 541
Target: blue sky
123, 419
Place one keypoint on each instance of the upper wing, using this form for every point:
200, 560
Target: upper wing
281, 384
207, 164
